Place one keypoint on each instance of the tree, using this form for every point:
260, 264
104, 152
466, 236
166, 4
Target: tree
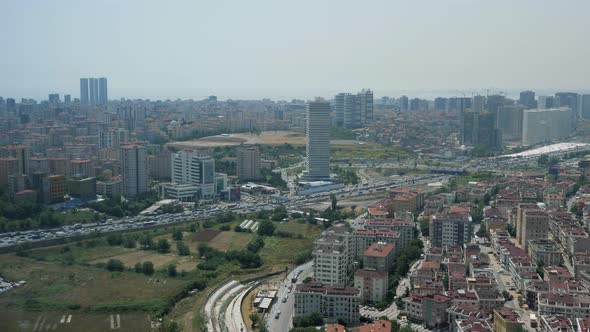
511, 229
255, 318
266, 228
183, 249
334, 202
543, 160
172, 270
177, 234
115, 265
138, 268
482, 232
147, 268
163, 246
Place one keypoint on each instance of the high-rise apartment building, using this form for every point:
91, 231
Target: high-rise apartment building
478, 103
527, 99
103, 97
318, 140
195, 169
584, 106
332, 302
545, 125
248, 164
447, 229
509, 120
93, 91
84, 90
354, 111
532, 223
134, 170
20, 152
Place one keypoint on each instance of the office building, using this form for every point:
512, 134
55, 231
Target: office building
84, 90
57, 188
248, 164
527, 99
448, 229
318, 141
546, 125
53, 98
545, 102
160, 165
194, 168
332, 302
82, 187
134, 170
112, 187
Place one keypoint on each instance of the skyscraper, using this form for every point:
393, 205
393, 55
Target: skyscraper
84, 97
318, 140
365, 105
546, 125
67, 99
102, 91
134, 170
527, 98
248, 165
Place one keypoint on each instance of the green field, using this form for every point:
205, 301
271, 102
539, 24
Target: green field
366, 151
71, 279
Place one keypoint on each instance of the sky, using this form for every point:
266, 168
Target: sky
280, 49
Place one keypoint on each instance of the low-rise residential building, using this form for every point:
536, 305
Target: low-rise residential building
373, 284
447, 229
546, 251
405, 228
568, 305
334, 303
506, 320
363, 238
379, 256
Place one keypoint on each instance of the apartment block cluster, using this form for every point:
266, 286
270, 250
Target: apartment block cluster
351, 267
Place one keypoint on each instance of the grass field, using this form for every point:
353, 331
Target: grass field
66, 280
265, 138
366, 151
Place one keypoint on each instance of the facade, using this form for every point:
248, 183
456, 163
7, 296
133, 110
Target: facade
248, 164
57, 188
405, 228
318, 140
8, 166
103, 97
93, 91
21, 152
160, 165
353, 111
447, 229
335, 303
133, 170
546, 125
568, 305
82, 187
195, 169
584, 106
510, 121
372, 284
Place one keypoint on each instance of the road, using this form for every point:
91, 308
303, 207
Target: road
285, 320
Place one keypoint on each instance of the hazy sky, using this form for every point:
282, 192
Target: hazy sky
287, 49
